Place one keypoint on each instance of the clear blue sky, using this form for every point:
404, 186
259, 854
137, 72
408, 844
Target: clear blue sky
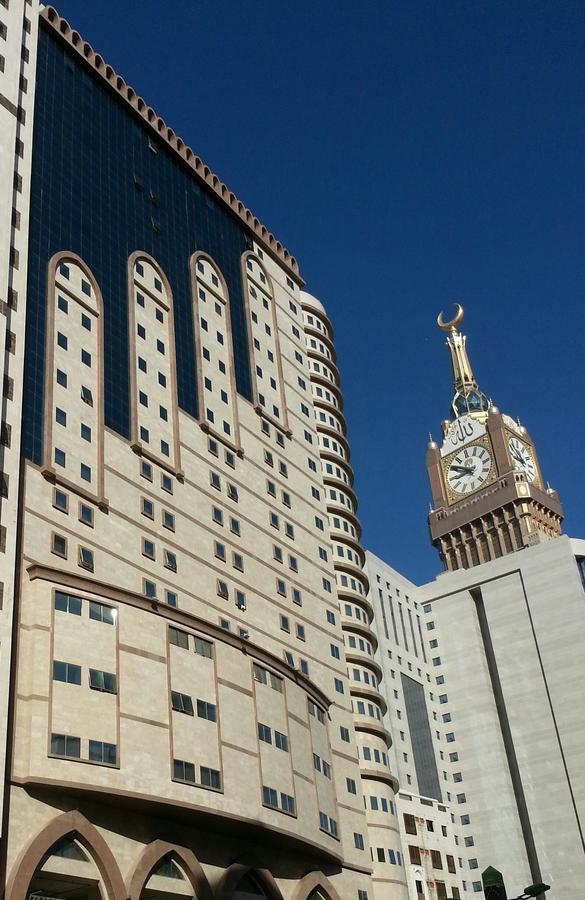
409, 154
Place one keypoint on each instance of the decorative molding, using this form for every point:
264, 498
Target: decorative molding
92, 59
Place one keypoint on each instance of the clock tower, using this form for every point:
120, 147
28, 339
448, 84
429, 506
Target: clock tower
489, 498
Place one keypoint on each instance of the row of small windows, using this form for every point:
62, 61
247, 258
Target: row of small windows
69, 747
324, 394
183, 703
60, 547
271, 797
60, 459
70, 673
363, 674
185, 772
393, 858
224, 591
380, 804
61, 502
348, 581
272, 736
369, 709
373, 754
316, 323
285, 625
359, 643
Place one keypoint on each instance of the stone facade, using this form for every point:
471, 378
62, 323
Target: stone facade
177, 711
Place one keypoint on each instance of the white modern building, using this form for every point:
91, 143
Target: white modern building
434, 860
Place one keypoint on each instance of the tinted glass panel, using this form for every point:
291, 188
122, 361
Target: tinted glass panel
91, 156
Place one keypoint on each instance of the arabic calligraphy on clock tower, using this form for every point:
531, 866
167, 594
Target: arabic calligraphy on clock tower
488, 495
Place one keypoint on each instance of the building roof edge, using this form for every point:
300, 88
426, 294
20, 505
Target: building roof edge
85, 51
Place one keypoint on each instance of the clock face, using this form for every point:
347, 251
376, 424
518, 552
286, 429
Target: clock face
521, 458
469, 469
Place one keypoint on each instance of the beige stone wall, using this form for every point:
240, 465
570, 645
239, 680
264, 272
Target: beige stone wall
17, 83
220, 539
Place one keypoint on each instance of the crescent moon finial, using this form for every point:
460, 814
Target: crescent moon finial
452, 325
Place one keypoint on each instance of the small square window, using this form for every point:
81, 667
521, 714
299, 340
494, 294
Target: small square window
166, 483
235, 526
148, 548
62, 304
168, 520
59, 457
86, 433
170, 560
86, 395
85, 472
149, 589
61, 378
86, 514
60, 500
60, 416
86, 358
62, 340
85, 322
59, 545
146, 470
86, 558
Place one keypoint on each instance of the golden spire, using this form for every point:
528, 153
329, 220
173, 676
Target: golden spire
468, 399
462, 374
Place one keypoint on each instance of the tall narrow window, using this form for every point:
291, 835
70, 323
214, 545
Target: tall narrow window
213, 350
267, 368
152, 365
74, 310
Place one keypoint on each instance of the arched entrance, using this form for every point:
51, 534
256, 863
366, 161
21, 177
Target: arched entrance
167, 880
241, 882
68, 860
168, 872
315, 886
67, 871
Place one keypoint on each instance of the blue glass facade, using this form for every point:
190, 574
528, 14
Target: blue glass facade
100, 190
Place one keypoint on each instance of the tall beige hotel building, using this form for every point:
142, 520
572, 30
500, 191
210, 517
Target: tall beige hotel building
182, 576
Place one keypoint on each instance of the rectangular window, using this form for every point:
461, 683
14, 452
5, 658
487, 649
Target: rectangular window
100, 612
178, 638
206, 710
59, 545
68, 673
280, 741
103, 681
182, 703
60, 500
183, 771
86, 558
66, 745
210, 778
170, 560
264, 733
203, 647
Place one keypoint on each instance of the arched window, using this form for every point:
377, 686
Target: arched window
265, 351
214, 353
74, 377
155, 431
